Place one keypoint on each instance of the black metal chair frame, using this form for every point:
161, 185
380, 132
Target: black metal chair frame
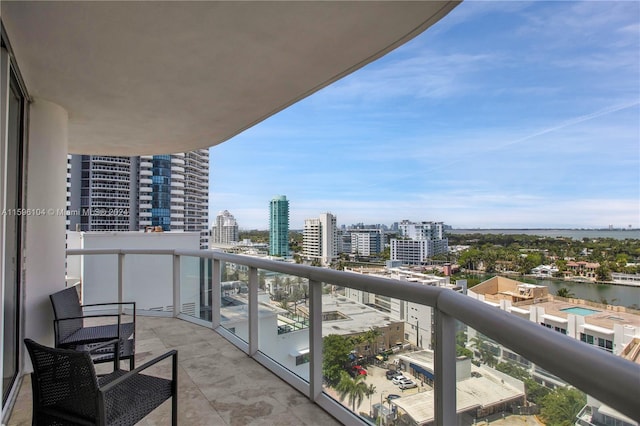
71, 333
66, 390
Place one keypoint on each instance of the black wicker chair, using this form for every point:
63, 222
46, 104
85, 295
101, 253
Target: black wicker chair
71, 333
66, 390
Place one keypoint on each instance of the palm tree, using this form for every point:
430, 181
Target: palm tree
354, 389
371, 337
486, 356
371, 389
564, 292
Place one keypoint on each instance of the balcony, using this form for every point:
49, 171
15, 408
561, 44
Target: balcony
218, 383
219, 294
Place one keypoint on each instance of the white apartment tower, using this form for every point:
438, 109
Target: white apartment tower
421, 241
196, 193
108, 193
320, 238
225, 229
421, 230
367, 242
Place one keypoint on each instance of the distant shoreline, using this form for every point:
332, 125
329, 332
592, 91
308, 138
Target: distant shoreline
549, 229
575, 233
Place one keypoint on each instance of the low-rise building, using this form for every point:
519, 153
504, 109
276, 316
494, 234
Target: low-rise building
480, 391
418, 318
611, 328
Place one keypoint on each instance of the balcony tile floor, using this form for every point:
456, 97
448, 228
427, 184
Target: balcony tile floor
218, 384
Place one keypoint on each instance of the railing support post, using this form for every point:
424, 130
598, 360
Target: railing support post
216, 297
445, 369
253, 311
315, 340
120, 281
176, 285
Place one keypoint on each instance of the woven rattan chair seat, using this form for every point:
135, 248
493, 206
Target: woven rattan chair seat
130, 401
101, 333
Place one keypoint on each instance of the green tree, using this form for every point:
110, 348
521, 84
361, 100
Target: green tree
354, 389
603, 273
513, 370
371, 390
385, 254
484, 349
371, 337
335, 355
470, 258
535, 391
561, 406
461, 338
529, 262
564, 292
462, 351
622, 259
284, 304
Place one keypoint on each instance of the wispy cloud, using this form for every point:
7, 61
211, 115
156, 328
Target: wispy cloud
429, 74
503, 114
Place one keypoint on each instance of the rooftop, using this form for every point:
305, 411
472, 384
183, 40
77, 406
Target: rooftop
604, 316
471, 393
359, 319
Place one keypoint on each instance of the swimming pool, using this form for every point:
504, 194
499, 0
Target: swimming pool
580, 311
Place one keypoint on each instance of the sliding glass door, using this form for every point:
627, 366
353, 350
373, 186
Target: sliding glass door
12, 217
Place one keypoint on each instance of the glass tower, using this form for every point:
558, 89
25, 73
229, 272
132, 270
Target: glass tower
279, 227
161, 195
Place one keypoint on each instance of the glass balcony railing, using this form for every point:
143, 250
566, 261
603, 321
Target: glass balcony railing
318, 329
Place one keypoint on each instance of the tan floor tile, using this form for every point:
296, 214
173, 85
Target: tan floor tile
218, 384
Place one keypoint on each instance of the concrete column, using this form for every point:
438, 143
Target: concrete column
45, 229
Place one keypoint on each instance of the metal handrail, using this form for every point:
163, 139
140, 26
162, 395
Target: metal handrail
609, 378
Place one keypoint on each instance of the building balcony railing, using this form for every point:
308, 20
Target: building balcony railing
195, 286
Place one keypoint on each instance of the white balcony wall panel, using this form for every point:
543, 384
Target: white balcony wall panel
147, 279
44, 235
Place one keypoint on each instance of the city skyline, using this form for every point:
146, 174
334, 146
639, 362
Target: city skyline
523, 115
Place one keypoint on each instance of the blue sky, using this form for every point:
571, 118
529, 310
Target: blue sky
503, 114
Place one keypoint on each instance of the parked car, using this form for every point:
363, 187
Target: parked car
407, 384
391, 374
392, 396
397, 379
358, 370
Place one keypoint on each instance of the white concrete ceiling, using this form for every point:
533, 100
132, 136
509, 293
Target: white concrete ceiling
162, 77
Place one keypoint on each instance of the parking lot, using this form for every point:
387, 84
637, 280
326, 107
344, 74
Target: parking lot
383, 388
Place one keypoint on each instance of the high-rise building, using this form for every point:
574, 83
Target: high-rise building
101, 193
279, 227
107, 193
196, 191
320, 238
225, 229
422, 240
